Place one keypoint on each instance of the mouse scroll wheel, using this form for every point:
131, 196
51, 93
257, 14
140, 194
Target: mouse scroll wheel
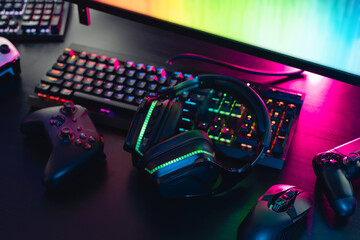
289, 194
284, 201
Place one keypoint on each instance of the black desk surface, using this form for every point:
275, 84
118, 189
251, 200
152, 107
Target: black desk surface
114, 204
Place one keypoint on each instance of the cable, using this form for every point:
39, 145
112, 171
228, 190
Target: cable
230, 65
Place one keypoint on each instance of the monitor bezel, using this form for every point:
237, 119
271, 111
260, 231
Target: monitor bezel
225, 42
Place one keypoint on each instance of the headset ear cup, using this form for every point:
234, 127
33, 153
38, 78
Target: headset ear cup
155, 121
183, 165
169, 123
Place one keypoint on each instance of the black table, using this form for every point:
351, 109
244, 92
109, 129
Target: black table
114, 204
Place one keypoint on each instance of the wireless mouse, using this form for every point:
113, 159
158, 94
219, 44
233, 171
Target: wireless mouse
275, 214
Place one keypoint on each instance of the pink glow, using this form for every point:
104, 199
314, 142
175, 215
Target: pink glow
105, 110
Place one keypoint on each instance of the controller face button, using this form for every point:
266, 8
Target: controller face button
4, 48
79, 129
87, 146
78, 142
92, 139
83, 136
74, 119
56, 120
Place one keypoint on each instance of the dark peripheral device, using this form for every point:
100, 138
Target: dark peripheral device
184, 165
31, 20
276, 214
76, 144
84, 15
9, 59
266, 29
334, 169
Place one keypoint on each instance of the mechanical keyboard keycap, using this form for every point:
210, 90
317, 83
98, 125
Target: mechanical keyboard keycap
112, 87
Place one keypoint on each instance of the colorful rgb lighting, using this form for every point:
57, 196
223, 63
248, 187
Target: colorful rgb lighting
178, 159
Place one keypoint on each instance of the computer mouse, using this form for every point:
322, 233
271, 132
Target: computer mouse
275, 214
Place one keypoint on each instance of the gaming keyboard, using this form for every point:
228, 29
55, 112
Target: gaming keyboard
112, 87
33, 20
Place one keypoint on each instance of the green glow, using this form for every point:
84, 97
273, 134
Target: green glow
217, 183
143, 128
236, 115
177, 160
225, 140
222, 101
225, 113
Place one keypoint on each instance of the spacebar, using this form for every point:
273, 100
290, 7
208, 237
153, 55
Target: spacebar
91, 100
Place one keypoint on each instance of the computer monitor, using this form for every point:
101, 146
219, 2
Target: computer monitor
321, 36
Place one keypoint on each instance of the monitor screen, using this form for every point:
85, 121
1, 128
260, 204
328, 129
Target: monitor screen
321, 36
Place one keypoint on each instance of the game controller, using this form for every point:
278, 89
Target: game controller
335, 169
9, 58
275, 214
75, 141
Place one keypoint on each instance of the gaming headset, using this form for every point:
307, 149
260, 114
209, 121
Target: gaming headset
184, 165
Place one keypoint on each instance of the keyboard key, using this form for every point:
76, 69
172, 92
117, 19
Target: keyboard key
55, 24
98, 91
54, 91
65, 93
42, 88
51, 80
108, 94
68, 84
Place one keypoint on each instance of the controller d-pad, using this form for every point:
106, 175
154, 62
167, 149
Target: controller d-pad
327, 160
56, 120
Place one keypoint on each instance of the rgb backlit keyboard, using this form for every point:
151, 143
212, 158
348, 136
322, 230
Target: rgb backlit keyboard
37, 20
112, 87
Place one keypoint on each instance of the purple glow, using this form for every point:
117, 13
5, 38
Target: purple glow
105, 110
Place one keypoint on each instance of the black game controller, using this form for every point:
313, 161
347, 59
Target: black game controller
275, 214
334, 169
75, 141
9, 58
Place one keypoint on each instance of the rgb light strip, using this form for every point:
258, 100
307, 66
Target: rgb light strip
144, 126
177, 160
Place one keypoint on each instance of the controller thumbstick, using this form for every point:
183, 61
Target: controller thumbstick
4, 48
68, 108
353, 157
66, 134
